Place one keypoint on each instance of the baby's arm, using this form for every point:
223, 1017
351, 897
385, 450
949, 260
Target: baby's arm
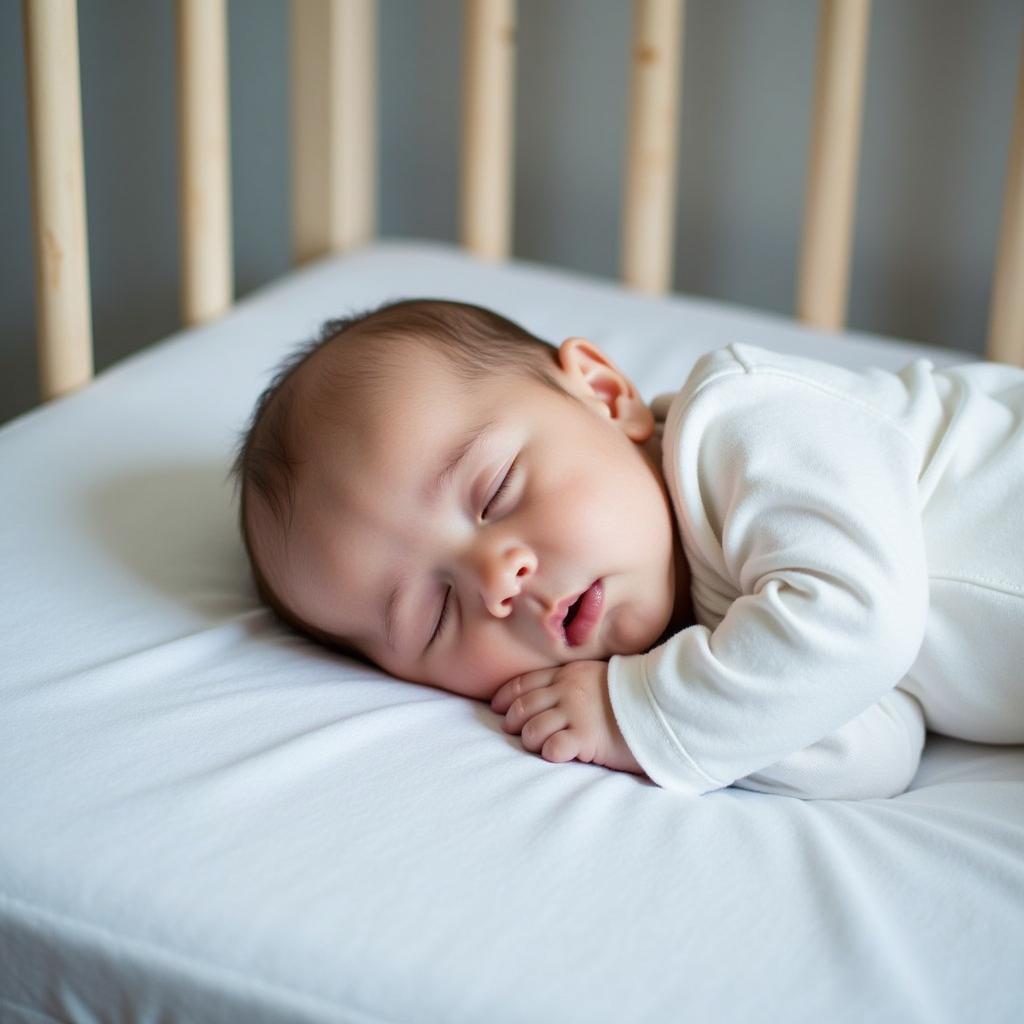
875, 754
800, 515
564, 714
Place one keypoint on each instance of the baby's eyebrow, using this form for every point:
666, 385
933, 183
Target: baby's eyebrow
454, 458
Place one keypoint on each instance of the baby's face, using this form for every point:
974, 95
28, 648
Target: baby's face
450, 532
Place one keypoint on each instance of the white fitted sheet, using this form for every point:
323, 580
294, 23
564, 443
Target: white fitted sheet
205, 817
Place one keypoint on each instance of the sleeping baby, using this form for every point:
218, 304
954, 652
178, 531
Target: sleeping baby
778, 577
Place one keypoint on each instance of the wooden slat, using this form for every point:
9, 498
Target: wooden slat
334, 125
824, 276
207, 274
58, 196
1006, 321
488, 111
649, 209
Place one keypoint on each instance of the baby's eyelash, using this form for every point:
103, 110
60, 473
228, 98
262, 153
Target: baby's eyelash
501, 488
442, 619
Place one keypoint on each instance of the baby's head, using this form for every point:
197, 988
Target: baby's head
433, 488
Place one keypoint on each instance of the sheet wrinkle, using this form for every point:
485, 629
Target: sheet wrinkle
196, 966
962, 828
877, 937
207, 641
28, 1012
936, 777
310, 750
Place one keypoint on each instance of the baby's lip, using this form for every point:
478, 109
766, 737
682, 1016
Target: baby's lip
557, 617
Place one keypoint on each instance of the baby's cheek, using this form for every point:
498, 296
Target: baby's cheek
485, 666
637, 627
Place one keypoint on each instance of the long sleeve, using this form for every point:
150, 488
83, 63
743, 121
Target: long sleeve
798, 506
873, 755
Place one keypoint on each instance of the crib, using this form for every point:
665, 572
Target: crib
203, 816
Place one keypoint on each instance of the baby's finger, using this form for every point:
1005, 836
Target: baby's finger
523, 708
519, 685
537, 730
560, 747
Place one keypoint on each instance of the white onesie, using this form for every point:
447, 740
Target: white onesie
856, 544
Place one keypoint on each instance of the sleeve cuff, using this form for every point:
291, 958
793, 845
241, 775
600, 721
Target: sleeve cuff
646, 732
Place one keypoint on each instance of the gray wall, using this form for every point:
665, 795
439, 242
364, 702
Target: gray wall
942, 78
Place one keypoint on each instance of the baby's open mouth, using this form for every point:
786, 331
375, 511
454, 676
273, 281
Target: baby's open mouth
583, 615
572, 612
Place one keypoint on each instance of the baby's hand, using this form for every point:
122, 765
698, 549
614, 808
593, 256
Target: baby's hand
564, 713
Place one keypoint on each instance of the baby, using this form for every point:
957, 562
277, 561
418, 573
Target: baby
777, 578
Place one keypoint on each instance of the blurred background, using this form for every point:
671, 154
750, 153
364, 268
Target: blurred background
937, 116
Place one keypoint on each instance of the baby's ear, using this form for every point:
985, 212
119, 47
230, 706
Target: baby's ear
593, 376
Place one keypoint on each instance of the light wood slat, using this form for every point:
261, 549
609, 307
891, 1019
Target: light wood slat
334, 125
314, 127
207, 272
824, 275
649, 209
1006, 320
58, 196
488, 111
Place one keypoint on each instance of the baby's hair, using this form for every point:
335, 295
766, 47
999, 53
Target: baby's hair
356, 353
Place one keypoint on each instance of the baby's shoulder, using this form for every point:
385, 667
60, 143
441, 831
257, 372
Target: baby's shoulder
742, 397
735, 378
749, 361
723, 371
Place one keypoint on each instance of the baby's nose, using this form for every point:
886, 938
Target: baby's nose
503, 579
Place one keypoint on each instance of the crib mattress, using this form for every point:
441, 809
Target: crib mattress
205, 817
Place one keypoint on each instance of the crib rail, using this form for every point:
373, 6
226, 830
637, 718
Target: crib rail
334, 141
204, 181
649, 205
333, 125
823, 281
488, 112
58, 196
1006, 319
